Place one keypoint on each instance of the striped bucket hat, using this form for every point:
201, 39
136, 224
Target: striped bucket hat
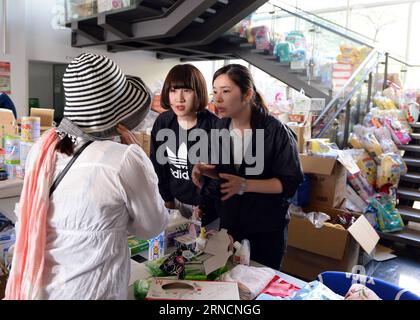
99, 97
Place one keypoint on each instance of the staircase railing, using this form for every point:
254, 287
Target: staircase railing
341, 99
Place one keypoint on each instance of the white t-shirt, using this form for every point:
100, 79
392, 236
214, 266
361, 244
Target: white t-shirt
240, 144
110, 190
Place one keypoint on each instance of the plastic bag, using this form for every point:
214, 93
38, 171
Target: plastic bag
318, 218
355, 141
316, 290
387, 216
371, 144
390, 170
399, 134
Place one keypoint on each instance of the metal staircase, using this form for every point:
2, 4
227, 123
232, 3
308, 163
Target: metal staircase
409, 192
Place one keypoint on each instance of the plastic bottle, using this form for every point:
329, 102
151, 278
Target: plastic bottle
245, 252
200, 241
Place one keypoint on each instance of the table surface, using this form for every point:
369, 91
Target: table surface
139, 271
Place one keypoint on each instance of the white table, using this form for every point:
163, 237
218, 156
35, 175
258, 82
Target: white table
139, 271
9, 195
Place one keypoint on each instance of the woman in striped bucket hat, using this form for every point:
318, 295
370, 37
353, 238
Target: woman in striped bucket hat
74, 215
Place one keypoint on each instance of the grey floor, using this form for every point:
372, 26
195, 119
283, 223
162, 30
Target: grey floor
404, 270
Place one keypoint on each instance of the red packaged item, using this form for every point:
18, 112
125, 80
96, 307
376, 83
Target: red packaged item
280, 288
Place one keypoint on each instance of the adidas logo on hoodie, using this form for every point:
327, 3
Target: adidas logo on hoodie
180, 162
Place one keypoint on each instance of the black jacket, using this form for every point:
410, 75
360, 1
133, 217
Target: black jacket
256, 212
175, 177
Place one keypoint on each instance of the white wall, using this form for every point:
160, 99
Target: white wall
16, 53
35, 39
41, 83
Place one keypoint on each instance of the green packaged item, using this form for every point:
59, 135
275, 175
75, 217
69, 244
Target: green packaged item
154, 267
387, 216
282, 52
137, 245
141, 287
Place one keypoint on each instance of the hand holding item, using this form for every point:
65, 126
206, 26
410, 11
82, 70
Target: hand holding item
127, 137
233, 185
201, 169
360, 292
197, 213
170, 204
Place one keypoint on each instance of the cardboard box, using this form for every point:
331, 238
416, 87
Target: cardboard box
312, 251
303, 133
168, 289
328, 180
46, 116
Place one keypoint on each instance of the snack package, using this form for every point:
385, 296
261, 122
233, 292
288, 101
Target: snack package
390, 170
387, 216
361, 186
174, 264
367, 165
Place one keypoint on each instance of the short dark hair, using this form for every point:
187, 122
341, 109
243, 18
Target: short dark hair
185, 76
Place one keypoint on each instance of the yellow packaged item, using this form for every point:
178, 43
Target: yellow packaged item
368, 167
390, 170
355, 142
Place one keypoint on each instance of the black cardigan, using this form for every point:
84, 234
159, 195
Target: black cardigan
256, 212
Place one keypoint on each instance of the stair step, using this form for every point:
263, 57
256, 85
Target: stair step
410, 161
409, 213
409, 193
259, 51
410, 147
247, 45
415, 136
415, 125
407, 236
412, 177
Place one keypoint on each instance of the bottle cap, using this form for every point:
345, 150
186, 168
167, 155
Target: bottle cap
236, 245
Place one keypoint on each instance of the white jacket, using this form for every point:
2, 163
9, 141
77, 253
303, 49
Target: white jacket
109, 190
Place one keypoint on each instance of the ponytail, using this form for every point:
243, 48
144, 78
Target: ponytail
65, 146
259, 102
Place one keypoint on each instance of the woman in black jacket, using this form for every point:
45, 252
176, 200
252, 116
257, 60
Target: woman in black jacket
254, 186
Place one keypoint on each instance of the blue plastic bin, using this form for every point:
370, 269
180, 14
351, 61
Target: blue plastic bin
340, 283
302, 195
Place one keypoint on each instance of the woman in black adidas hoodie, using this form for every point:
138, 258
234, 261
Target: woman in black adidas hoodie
185, 96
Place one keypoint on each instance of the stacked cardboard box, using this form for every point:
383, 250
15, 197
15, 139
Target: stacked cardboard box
328, 180
312, 251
